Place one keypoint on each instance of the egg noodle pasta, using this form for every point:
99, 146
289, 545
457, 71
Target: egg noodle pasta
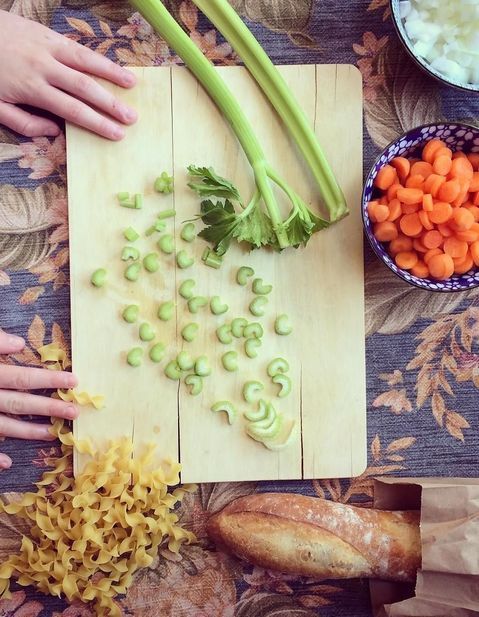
90, 534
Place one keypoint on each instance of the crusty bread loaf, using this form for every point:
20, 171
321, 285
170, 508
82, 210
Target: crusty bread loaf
319, 538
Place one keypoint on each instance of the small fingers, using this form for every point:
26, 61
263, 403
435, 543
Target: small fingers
82, 59
5, 462
20, 403
10, 343
24, 378
77, 112
19, 429
87, 89
25, 123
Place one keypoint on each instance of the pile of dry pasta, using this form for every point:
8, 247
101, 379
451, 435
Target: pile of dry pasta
90, 534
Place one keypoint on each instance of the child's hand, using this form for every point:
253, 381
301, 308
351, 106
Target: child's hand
14, 379
44, 69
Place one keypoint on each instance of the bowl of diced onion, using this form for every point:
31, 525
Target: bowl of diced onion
442, 36
420, 207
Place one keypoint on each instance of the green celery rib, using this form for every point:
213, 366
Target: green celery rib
166, 26
227, 21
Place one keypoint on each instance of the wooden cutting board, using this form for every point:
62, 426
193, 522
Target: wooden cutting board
320, 287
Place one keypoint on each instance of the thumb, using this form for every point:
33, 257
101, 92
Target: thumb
10, 343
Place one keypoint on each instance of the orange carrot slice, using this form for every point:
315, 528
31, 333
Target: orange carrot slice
385, 232
410, 196
431, 253
420, 270
441, 266
385, 178
432, 239
455, 248
441, 212
406, 260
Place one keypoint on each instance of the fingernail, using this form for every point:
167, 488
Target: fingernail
72, 412
129, 78
5, 464
117, 132
69, 381
48, 435
15, 342
130, 114
52, 131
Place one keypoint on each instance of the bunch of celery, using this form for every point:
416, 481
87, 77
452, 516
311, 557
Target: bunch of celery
252, 223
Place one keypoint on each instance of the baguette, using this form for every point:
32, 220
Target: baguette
317, 538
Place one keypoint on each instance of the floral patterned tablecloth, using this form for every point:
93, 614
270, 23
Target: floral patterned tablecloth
422, 348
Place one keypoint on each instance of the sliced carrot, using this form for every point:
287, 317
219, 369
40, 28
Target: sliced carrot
474, 185
464, 265
445, 230
449, 191
394, 209
458, 154
410, 224
469, 236
433, 183
475, 199
420, 270
424, 218
386, 176
474, 160
441, 212
418, 245
432, 239
385, 232
462, 219
474, 210
427, 202
415, 182
430, 148
406, 259
461, 167
410, 208
464, 183
400, 244
444, 151
402, 167
392, 190
441, 266
384, 200
455, 248
431, 253
442, 165
421, 168
475, 228
474, 249
377, 212
410, 196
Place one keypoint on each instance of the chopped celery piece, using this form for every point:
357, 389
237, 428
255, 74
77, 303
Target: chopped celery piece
131, 234
98, 278
164, 183
130, 252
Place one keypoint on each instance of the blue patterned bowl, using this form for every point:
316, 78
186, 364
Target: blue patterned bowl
421, 62
458, 137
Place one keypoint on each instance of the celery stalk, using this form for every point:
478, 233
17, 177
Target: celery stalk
251, 224
227, 21
165, 25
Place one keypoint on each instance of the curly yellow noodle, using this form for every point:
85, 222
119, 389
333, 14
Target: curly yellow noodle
82, 398
90, 534
53, 353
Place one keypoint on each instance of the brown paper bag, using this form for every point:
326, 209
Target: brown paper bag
448, 583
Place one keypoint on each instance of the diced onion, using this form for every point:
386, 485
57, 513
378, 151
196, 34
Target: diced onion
445, 33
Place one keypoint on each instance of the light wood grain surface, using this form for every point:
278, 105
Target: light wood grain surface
320, 287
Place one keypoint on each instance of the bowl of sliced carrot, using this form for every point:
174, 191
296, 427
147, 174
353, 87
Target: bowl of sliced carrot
420, 207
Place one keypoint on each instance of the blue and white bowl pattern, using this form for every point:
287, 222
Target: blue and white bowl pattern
458, 137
